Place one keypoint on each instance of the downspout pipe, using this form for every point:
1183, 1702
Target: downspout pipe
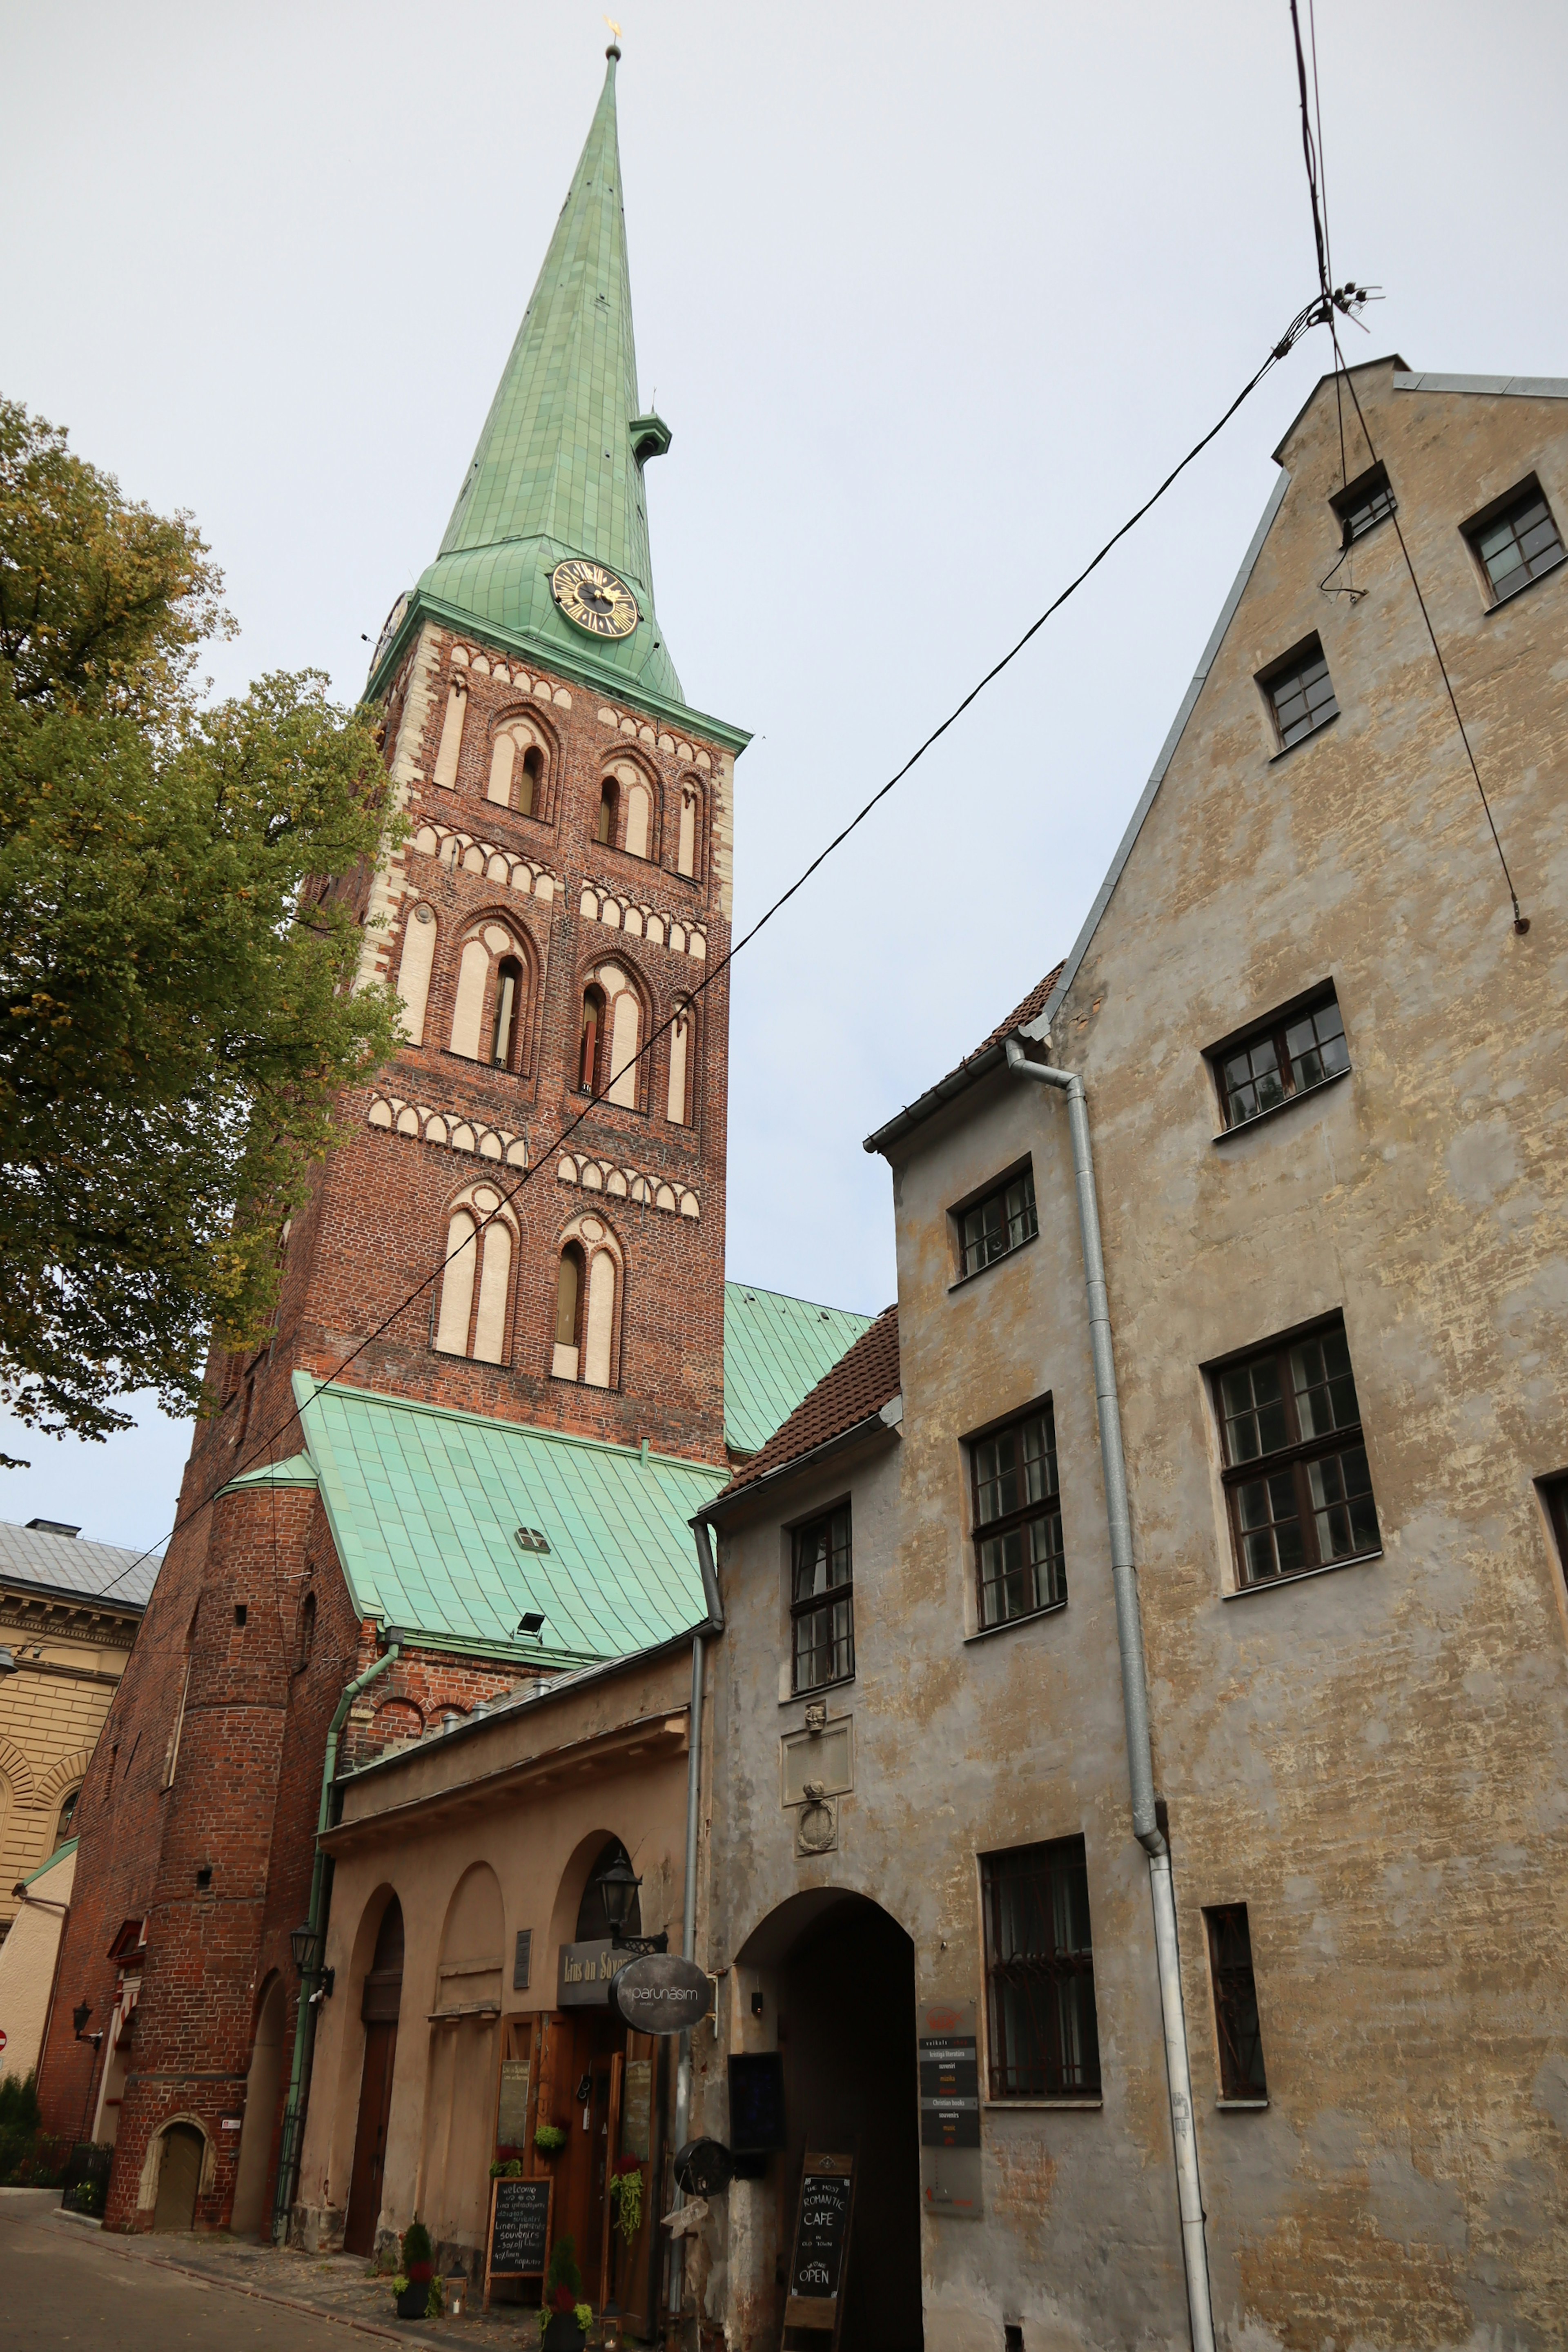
701, 1635
309, 2002
1135, 1696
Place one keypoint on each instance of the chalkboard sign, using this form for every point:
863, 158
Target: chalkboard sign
518, 2244
821, 2243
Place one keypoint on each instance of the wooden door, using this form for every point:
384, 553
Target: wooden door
634, 2275
179, 2177
370, 2139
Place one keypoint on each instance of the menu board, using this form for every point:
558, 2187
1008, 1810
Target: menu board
511, 2110
518, 2244
950, 2091
821, 2242
636, 2109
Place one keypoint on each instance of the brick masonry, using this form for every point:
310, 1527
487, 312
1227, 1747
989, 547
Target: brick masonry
243, 1799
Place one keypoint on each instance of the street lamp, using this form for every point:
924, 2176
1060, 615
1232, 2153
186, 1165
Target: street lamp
306, 1944
617, 1888
80, 2016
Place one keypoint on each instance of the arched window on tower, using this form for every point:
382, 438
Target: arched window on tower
639, 819
682, 1066
63, 1828
490, 1015
476, 1280
588, 1291
451, 742
609, 810
686, 848
517, 768
420, 934
591, 1040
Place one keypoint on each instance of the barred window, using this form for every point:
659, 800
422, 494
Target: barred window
1287, 1054
1241, 2075
1043, 2032
1362, 504
1300, 695
1018, 1519
1296, 1475
1516, 545
823, 1602
1000, 1223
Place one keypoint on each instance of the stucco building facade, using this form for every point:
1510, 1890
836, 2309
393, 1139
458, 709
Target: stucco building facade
1323, 1072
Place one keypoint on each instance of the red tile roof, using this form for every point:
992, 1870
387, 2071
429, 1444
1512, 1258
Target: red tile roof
955, 1081
1034, 1002
863, 1380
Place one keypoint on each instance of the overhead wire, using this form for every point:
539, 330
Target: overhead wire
1311, 315
1333, 308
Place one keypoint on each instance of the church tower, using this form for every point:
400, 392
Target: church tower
521, 1338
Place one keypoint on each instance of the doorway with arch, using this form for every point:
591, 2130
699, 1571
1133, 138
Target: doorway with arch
379, 2006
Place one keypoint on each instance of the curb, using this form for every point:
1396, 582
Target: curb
85, 2220
264, 2295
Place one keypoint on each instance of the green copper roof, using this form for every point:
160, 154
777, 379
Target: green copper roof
558, 470
298, 1470
61, 1853
775, 1351
424, 1505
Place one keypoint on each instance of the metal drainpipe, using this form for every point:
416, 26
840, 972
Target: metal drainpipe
712, 1623
305, 2021
1135, 1698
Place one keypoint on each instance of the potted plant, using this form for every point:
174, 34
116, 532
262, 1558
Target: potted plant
416, 2271
626, 2195
564, 2318
549, 2138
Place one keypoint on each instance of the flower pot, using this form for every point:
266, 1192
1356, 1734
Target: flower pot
563, 2334
413, 2301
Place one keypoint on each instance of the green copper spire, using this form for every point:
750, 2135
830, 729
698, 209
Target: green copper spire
558, 470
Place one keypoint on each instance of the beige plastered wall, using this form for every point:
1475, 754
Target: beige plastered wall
1375, 1760
27, 1964
69, 1658
497, 1826
962, 1746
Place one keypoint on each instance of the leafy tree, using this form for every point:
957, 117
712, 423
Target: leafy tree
177, 943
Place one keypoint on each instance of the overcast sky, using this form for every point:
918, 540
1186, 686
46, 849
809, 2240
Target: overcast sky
932, 298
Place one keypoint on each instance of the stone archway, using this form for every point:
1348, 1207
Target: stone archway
842, 1977
248, 2218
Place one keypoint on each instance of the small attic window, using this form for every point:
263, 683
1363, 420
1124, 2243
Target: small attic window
1362, 504
533, 1539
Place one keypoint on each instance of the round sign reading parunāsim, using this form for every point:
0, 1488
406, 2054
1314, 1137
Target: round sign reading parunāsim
660, 1993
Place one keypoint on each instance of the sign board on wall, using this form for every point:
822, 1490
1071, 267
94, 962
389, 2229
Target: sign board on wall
660, 1993
583, 1979
517, 2244
949, 2053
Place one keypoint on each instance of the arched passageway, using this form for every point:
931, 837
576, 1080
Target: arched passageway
379, 2007
843, 1974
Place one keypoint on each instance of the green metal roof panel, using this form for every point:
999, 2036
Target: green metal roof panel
424, 1505
298, 1470
775, 1351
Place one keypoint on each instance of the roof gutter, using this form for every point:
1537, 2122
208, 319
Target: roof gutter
733, 1496
1135, 1695
945, 1090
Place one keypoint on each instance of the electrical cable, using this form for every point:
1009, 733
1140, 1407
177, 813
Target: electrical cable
1314, 314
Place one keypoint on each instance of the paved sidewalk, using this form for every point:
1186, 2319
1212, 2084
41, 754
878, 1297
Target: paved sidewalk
65, 2283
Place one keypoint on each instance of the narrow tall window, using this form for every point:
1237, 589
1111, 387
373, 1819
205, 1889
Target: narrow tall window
1296, 1476
621, 1064
307, 1639
1300, 695
592, 1032
172, 1754
822, 1605
63, 1829
678, 1100
504, 1021
1001, 1221
419, 936
1018, 1519
1362, 504
469, 1011
639, 817
599, 1322
569, 1286
451, 741
1516, 544
475, 1280
609, 796
685, 847
1287, 1054
456, 1284
1043, 2031
532, 780
1241, 2075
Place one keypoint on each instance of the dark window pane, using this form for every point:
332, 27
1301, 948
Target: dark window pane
1303, 697
1324, 1384
1241, 2070
823, 1645
1272, 1539
1253, 1081
998, 1223
1316, 1045
1022, 1570
822, 1556
1039, 1966
1521, 545
1253, 1404
1342, 1507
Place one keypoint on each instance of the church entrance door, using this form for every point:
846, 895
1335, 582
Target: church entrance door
379, 2009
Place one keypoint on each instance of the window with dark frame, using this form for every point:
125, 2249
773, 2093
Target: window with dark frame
1517, 542
1241, 2075
1001, 1221
1554, 1494
1043, 2032
1300, 695
1287, 1054
1362, 504
821, 1603
1295, 1478
1018, 1519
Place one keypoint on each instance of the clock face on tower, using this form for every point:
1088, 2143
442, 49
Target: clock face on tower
594, 598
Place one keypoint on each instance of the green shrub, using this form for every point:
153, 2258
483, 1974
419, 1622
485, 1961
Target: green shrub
418, 2255
563, 2280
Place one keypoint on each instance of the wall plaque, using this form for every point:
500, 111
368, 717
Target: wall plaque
826, 1757
949, 2053
583, 1980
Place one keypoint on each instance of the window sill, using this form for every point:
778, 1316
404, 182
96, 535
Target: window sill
1502, 602
1091, 2099
981, 1271
1011, 1625
1285, 750
1303, 1094
1240, 2106
1302, 1575
804, 1698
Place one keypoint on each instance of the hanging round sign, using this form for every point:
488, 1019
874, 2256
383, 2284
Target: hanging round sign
660, 1993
